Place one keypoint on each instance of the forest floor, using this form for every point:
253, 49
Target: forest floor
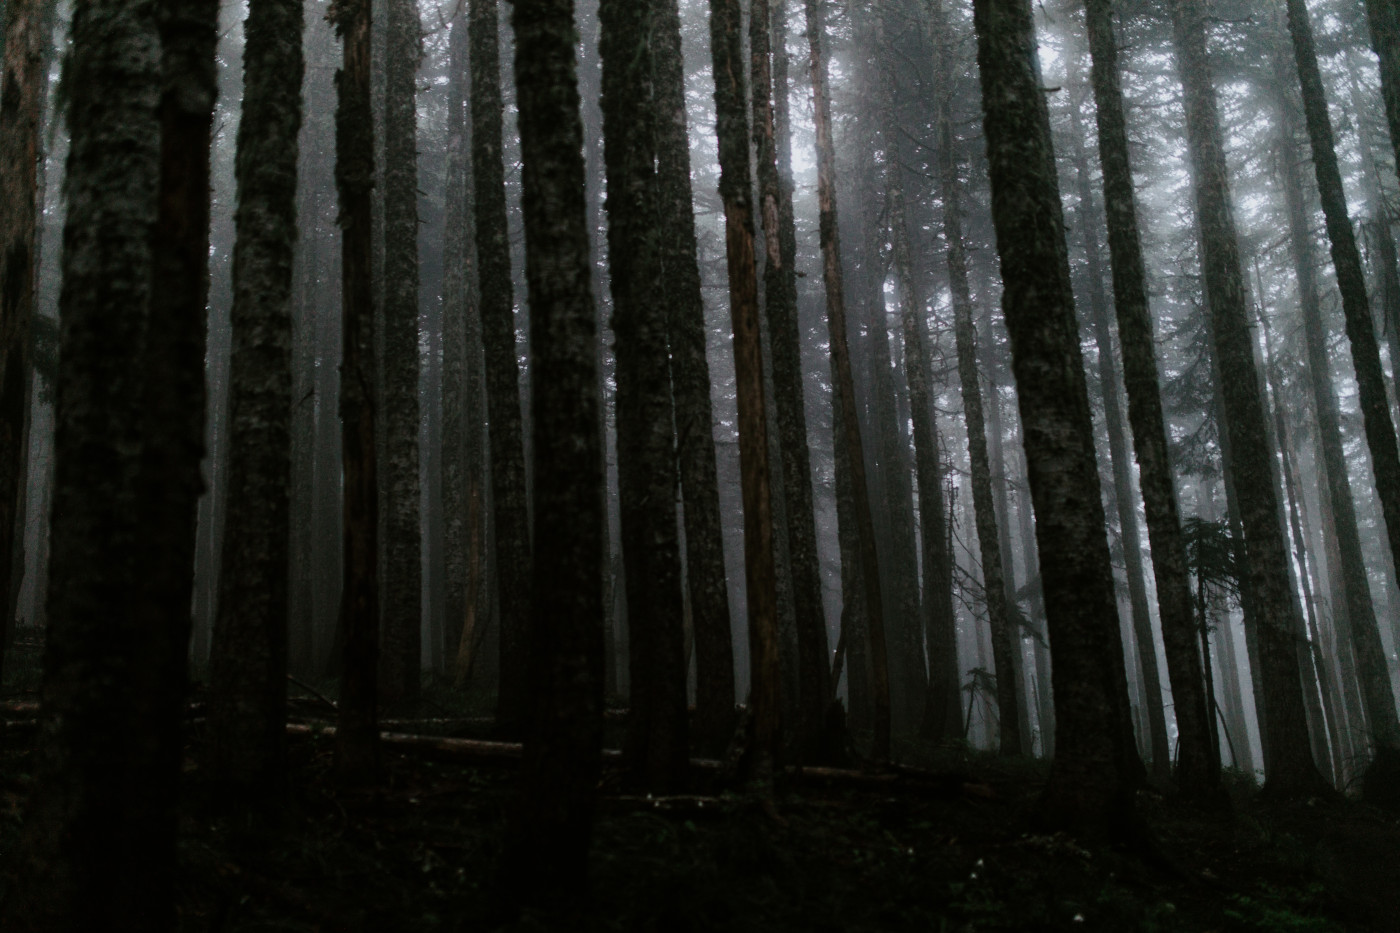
960, 854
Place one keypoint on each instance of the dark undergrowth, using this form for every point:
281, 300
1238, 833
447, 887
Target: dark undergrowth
961, 854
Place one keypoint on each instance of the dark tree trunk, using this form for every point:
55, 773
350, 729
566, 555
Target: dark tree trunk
1375, 410
1384, 19
551, 824
509, 495
99, 843
1198, 759
357, 731
27, 26
1289, 769
846, 424
690, 378
657, 749
401, 606
1119, 452
1096, 767
731, 106
248, 662
768, 38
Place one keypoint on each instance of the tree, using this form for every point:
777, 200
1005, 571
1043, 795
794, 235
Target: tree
402, 602
768, 37
248, 663
731, 107
1198, 759
690, 382
984, 510
99, 837
1119, 451
1096, 768
846, 425
1289, 768
657, 749
507, 437
27, 32
1384, 19
550, 826
357, 729
1375, 408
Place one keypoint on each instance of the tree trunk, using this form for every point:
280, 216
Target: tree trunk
1096, 766
401, 606
1384, 19
846, 424
28, 28
509, 495
657, 750
1198, 761
1289, 768
1119, 452
551, 826
99, 843
248, 662
768, 37
1375, 407
690, 377
731, 105
357, 735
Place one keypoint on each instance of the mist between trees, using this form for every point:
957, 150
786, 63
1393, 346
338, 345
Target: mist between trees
814, 382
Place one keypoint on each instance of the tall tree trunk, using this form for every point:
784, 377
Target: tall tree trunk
768, 38
731, 106
99, 838
248, 662
1119, 452
357, 731
690, 378
27, 26
657, 749
1096, 766
551, 825
461, 368
509, 495
1289, 768
1198, 761
1375, 407
402, 573
1384, 19
846, 422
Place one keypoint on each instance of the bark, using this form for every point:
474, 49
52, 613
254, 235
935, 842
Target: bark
27, 27
846, 424
248, 662
1096, 766
1384, 19
357, 741
1289, 768
509, 502
768, 39
1370, 379
550, 827
690, 382
1119, 452
731, 106
98, 848
401, 606
461, 364
657, 746
1198, 760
